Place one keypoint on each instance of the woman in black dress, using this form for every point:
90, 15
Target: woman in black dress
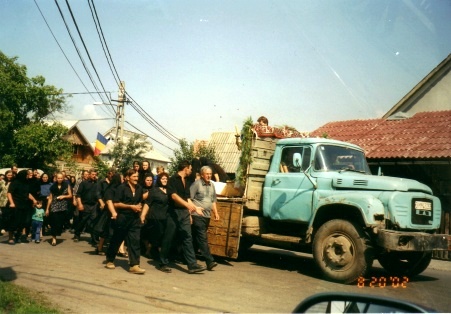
147, 184
161, 225
19, 197
60, 195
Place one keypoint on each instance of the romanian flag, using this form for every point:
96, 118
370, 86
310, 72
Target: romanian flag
100, 144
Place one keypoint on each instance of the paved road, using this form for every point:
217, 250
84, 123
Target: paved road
269, 280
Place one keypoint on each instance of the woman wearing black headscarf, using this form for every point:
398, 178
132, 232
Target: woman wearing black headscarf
19, 197
60, 194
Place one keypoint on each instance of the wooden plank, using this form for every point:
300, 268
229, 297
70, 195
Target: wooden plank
224, 235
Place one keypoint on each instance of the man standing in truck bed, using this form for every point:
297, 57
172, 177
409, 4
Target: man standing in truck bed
182, 207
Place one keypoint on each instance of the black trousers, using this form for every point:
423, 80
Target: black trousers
86, 219
126, 227
14, 219
200, 226
56, 222
167, 239
184, 229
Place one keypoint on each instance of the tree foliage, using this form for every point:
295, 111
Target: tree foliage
40, 145
189, 151
23, 101
124, 154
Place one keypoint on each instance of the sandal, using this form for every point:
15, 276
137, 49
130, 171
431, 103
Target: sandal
53, 242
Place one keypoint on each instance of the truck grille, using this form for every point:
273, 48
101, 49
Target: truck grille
422, 211
361, 182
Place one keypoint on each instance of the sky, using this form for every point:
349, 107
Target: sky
198, 67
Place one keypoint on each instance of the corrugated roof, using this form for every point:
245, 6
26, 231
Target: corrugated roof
425, 135
226, 150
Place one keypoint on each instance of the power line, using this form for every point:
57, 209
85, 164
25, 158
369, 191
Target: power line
148, 136
143, 115
152, 121
115, 74
102, 36
87, 52
61, 48
79, 54
82, 93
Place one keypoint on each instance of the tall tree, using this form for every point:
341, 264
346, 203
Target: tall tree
40, 145
189, 151
124, 153
23, 100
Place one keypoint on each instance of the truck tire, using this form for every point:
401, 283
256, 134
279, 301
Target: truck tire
341, 251
405, 263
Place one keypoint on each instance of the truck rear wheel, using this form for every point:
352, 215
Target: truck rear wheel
341, 252
405, 263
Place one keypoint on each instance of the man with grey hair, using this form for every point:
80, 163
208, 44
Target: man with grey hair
203, 194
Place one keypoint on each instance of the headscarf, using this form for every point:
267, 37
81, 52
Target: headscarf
57, 192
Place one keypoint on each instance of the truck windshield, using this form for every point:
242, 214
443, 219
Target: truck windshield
338, 158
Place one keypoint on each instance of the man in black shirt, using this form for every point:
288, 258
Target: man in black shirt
182, 207
127, 224
87, 205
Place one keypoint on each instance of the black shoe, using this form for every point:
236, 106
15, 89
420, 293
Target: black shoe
211, 265
196, 269
164, 268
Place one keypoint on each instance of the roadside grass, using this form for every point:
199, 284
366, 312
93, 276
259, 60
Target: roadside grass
16, 299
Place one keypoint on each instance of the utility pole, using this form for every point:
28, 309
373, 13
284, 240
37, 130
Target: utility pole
120, 113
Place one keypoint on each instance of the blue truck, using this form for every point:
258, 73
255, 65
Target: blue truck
318, 196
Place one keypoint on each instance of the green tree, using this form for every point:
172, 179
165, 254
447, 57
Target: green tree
101, 167
124, 154
41, 145
23, 101
188, 152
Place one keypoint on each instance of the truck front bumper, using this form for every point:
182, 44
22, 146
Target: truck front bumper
413, 241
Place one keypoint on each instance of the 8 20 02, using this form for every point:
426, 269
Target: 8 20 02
383, 282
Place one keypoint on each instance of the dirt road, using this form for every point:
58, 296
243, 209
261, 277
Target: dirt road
75, 279
71, 276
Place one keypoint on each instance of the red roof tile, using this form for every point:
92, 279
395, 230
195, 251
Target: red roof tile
426, 135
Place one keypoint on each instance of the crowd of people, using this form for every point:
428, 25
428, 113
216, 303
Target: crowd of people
132, 214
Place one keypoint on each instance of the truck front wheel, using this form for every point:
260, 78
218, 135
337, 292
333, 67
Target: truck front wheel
405, 263
341, 252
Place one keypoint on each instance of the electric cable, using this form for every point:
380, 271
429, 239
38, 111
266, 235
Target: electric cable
61, 48
104, 41
79, 55
87, 52
149, 136
153, 122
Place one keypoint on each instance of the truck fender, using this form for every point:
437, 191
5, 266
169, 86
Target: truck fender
369, 208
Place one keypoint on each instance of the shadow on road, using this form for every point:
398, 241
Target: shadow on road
283, 260
7, 274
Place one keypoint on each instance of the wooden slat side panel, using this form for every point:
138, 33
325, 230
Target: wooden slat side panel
224, 234
254, 193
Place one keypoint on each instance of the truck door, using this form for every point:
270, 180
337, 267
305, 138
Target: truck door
288, 192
